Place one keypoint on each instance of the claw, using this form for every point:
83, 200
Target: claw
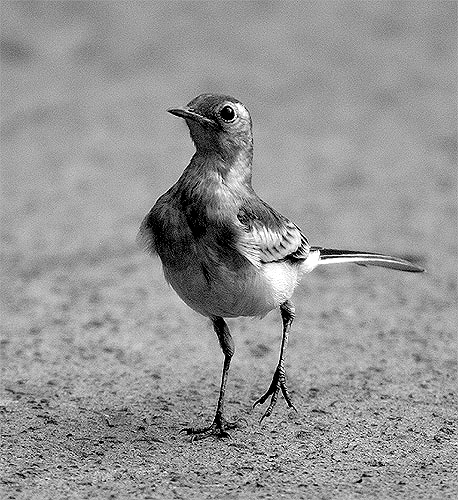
278, 383
218, 428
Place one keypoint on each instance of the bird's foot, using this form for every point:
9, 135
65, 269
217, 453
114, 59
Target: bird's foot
218, 428
278, 383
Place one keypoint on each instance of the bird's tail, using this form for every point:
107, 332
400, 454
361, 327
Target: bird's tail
331, 256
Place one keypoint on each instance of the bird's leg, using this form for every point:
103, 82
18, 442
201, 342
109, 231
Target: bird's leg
279, 379
220, 425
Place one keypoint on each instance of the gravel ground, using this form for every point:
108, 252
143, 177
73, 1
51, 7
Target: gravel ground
354, 106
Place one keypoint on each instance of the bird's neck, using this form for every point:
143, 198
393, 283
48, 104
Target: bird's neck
210, 186
232, 167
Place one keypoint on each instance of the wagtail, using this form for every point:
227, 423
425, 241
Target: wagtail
226, 252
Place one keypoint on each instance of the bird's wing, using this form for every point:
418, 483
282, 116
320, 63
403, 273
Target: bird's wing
268, 236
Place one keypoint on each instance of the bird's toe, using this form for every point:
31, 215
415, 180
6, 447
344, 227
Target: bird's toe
218, 428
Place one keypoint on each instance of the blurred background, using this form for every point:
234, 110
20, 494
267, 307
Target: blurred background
353, 103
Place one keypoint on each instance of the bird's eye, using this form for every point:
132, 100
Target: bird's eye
228, 114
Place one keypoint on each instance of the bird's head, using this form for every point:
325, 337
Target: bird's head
218, 124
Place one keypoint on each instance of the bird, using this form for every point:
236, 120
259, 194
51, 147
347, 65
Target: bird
225, 251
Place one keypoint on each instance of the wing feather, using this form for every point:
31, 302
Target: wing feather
268, 236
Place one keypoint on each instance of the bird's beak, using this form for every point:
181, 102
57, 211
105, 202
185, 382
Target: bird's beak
189, 114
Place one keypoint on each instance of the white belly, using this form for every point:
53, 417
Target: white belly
248, 292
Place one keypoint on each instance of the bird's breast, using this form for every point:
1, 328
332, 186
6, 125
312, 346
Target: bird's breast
196, 235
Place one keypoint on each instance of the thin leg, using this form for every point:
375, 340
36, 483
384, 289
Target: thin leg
220, 425
279, 379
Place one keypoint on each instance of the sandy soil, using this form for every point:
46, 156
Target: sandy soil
355, 112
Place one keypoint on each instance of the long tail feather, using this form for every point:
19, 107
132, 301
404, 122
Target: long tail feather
332, 256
